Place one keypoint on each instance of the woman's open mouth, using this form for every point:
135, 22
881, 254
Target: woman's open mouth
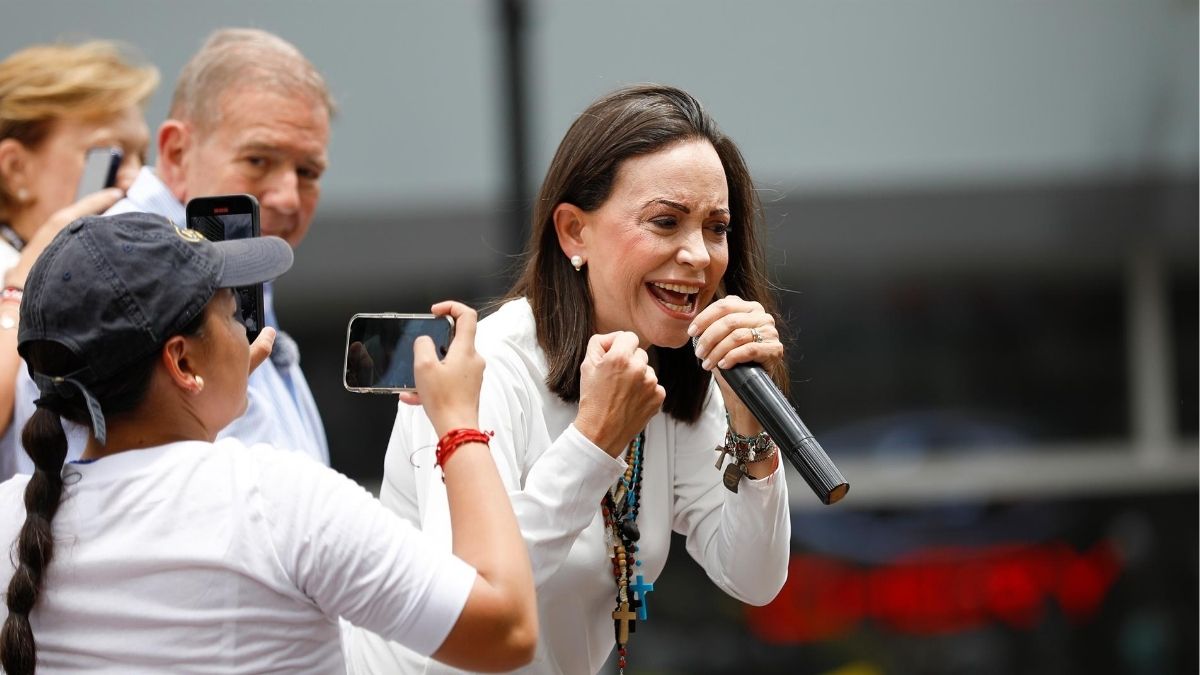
679, 298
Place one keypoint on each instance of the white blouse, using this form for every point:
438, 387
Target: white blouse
556, 479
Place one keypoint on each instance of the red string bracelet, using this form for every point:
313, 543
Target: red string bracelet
454, 438
12, 294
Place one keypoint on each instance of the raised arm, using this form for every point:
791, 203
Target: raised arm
558, 494
498, 628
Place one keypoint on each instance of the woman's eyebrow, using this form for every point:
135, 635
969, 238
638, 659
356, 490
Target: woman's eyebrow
681, 207
667, 202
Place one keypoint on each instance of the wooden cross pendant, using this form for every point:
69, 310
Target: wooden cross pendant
622, 617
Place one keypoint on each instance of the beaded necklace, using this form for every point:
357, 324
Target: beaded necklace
620, 508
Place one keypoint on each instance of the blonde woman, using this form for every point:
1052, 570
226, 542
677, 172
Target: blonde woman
57, 101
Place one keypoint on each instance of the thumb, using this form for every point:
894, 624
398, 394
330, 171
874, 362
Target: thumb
260, 349
423, 350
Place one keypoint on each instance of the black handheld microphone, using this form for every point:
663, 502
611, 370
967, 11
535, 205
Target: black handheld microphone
772, 410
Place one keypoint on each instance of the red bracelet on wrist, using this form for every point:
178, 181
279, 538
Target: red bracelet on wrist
12, 294
454, 438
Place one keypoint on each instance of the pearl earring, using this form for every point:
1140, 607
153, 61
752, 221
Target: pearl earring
577, 262
199, 384
22, 195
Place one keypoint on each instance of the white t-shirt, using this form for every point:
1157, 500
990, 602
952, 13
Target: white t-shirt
556, 478
223, 558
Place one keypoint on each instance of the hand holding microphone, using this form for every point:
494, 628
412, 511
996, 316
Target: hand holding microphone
734, 337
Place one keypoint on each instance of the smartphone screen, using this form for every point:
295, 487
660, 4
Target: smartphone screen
100, 167
379, 349
232, 217
224, 226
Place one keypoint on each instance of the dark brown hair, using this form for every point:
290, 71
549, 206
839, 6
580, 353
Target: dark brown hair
46, 443
630, 122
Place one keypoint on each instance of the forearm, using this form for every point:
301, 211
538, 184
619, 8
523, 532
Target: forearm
10, 363
502, 609
560, 497
741, 539
554, 484
485, 531
10, 315
747, 555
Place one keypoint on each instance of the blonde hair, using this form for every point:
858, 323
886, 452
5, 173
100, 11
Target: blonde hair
233, 58
42, 84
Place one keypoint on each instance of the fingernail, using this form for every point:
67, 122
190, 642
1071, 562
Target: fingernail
722, 365
707, 365
699, 351
692, 330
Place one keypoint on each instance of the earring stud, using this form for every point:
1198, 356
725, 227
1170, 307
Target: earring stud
199, 384
22, 195
577, 262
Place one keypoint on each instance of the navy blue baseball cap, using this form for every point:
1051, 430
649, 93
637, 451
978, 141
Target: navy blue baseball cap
112, 289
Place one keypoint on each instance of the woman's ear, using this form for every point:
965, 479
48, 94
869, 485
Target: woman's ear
179, 361
14, 165
569, 223
174, 145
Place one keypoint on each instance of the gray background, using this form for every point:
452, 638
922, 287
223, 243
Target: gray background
893, 143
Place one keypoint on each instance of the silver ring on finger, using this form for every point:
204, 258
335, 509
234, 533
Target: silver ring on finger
756, 336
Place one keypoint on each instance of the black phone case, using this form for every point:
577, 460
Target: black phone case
203, 215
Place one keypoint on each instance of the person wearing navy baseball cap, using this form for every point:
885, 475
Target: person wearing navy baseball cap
115, 288
163, 549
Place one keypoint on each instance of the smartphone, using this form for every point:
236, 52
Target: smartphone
232, 217
379, 350
100, 167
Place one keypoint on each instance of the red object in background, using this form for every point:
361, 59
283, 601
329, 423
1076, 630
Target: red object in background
936, 591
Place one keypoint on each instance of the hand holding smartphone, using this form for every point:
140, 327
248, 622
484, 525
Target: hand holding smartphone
232, 217
379, 350
100, 167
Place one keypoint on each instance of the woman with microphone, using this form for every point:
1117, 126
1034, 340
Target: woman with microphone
611, 429
164, 551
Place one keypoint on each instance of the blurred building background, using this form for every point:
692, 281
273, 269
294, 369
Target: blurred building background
983, 217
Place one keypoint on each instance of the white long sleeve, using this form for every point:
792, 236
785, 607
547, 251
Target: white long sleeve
556, 479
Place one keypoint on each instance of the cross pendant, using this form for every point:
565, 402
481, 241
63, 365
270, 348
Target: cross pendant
622, 617
640, 589
722, 453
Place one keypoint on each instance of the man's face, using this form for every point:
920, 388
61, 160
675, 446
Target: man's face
268, 145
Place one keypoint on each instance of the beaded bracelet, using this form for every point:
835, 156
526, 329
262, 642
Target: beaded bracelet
455, 437
12, 294
744, 449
